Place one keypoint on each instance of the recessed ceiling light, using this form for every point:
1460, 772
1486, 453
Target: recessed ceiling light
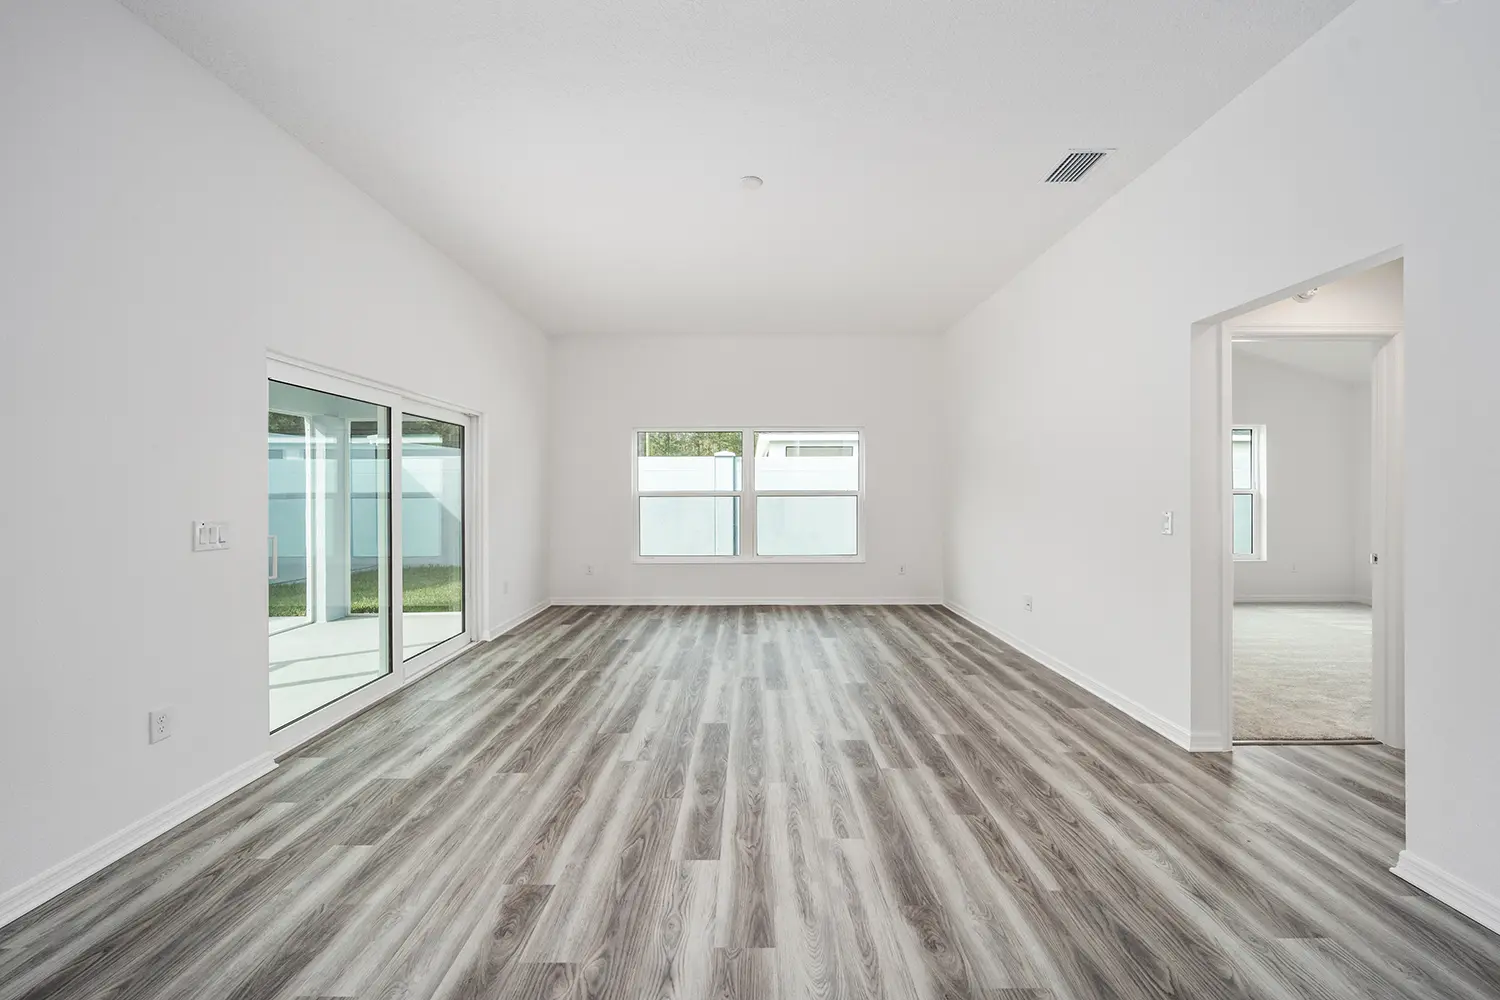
750, 182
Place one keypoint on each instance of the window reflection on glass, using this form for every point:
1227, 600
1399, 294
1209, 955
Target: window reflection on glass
432, 532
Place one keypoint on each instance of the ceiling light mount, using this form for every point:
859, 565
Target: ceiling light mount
750, 182
1307, 296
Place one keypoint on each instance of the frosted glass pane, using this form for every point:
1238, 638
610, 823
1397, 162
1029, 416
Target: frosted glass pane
1244, 524
1243, 452
690, 526
807, 526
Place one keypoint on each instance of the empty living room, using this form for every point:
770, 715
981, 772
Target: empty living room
655, 499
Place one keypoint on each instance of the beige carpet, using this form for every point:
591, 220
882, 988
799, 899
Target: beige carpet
1302, 672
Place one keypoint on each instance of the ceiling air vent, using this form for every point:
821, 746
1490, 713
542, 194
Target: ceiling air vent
1077, 163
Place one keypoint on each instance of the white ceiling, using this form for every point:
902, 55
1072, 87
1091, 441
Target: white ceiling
583, 157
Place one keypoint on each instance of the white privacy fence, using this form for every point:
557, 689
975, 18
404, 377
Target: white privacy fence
431, 504
784, 525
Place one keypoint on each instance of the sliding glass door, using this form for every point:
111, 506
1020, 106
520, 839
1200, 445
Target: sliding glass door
328, 548
432, 532
367, 546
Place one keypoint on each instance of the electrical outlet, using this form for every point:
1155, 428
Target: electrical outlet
1027, 600
588, 570
161, 725
901, 570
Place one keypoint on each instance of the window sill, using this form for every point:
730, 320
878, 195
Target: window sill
742, 560
1249, 558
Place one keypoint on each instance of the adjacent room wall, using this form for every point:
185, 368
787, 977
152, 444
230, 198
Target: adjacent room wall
1068, 391
1317, 478
158, 237
605, 388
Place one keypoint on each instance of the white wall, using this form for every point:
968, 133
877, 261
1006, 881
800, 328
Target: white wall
1318, 481
157, 237
1378, 133
605, 388
1359, 410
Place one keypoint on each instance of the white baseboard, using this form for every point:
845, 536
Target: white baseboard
1302, 599
1140, 713
1474, 903
36, 891
721, 602
517, 621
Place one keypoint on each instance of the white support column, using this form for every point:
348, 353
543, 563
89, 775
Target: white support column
330, 503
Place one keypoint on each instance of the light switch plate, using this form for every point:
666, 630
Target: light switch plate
1166, 522
210, 535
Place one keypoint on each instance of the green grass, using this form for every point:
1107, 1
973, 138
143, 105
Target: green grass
425, 588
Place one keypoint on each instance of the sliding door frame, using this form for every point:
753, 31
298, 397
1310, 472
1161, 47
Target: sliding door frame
397, 401
435, 656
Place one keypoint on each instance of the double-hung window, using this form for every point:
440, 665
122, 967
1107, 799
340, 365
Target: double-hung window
689, 493
1247, 452
799, 498
807, 493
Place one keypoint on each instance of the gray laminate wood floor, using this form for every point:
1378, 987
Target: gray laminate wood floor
765, 802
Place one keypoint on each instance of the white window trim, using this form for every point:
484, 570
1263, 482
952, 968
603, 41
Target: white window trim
747, 495
1257, 493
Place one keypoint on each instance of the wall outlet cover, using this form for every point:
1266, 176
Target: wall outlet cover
160, 722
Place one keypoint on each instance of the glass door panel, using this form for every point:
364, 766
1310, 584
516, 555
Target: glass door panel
432, 532
287, 448
329, 544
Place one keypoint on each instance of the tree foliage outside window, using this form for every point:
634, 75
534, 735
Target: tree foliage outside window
688, 444
448, 435
285, 423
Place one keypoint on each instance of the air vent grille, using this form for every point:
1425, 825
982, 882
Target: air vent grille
1075, 165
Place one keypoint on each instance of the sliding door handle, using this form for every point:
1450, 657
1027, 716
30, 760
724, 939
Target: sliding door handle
275, 561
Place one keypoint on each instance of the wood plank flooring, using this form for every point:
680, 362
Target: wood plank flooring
697, 803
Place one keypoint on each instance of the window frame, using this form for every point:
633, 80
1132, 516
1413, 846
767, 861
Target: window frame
1256, 492
747, 495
